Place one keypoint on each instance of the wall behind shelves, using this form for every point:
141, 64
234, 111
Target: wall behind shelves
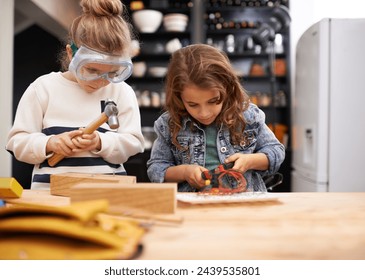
306, 13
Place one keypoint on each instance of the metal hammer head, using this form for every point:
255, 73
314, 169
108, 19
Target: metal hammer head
111, 111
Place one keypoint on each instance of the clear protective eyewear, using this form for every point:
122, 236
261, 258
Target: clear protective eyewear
82, 65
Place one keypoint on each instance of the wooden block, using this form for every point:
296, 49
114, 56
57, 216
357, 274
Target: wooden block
148, 197
10, 188
60, 184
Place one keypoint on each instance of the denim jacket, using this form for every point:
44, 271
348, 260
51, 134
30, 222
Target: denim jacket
260, 140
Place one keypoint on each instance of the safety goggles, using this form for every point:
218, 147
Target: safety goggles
89, 65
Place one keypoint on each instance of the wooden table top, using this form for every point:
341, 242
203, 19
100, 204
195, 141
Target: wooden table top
297, 226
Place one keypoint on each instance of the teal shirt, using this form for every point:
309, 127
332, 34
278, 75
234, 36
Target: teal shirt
211, 156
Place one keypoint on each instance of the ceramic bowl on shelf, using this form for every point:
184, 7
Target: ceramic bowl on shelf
175, 22
157, 71
147, 21
173, 45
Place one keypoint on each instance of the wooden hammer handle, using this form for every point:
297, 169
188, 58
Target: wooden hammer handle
56, 158
103, 118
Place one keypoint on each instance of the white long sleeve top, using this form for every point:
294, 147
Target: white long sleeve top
53, 104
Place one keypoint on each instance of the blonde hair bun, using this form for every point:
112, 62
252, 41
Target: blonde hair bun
102, 7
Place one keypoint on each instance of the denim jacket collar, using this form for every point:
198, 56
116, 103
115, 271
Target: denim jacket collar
189, 119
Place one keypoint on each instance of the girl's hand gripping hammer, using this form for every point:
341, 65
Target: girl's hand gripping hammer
109, 115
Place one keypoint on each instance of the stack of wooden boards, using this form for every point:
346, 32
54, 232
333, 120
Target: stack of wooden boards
122, 192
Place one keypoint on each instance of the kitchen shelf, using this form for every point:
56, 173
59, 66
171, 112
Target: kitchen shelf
153, 51
252, 13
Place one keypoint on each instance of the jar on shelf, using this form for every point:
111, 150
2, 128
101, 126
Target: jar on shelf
280, 99
155, 99
265, 100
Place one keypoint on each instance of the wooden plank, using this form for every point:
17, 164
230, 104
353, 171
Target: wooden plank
42, 197
60, 184
146, 197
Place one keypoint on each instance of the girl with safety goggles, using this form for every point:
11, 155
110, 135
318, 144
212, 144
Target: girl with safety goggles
54, 109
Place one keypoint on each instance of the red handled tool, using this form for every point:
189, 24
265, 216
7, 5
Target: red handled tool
224, 180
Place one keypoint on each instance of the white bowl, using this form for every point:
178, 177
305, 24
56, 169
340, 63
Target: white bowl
176, 16
147, 21
157, 71
175, 26
173, 45
175, 22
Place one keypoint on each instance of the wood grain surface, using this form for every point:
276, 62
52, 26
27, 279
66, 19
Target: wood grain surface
303, 226
60, 184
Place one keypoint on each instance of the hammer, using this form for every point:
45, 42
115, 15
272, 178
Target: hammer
109, 115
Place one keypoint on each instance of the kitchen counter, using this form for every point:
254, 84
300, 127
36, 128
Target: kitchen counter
296, 226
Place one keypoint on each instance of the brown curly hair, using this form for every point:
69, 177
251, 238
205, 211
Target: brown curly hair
102, 26
208, 68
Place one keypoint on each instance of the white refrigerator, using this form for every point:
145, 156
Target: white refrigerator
328, 108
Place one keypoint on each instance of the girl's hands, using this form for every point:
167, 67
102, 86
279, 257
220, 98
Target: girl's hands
71, 142
193, 175
62, 143
244, 162
87, 142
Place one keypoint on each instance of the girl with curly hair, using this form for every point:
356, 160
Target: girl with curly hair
210, 121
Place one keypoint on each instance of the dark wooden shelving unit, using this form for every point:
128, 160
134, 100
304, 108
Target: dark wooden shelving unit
250, 13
